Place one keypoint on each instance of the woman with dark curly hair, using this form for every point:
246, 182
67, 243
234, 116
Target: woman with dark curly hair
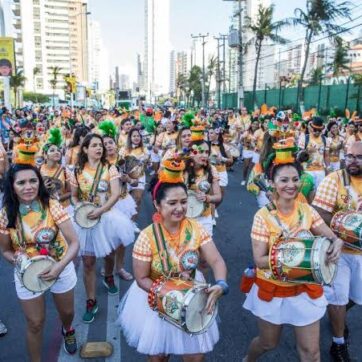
95, 181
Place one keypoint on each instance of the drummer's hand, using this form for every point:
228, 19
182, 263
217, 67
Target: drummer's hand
52, 272
124, 178
335, 250
186, 275
48, 183
201, 196
95, 214
215, 292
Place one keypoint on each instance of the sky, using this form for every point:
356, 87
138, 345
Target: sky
122, 24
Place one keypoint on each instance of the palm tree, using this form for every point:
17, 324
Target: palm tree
55, 71
263, 29
340, 62
181, 86
36, 71
315, 76
210, 72
319, 17
195, 83
17, 81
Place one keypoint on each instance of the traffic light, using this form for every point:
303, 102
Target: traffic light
71, 82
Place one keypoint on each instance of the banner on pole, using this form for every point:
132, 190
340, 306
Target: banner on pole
7, 57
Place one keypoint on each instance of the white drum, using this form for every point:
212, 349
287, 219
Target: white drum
81, 215
195, 208
28, 270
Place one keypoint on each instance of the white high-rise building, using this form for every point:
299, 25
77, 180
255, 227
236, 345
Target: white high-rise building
50, 33
157, 48
173, 74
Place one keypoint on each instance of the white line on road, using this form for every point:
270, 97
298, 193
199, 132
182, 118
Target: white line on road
113, 331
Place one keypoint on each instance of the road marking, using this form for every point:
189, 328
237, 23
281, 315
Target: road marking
81, 329
113, 331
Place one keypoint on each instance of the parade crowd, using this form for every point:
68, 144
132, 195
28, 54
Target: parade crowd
72, 183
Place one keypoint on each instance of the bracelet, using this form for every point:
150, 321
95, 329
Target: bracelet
225, 287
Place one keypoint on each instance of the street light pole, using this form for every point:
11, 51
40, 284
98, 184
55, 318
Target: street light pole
203, 37
240, 47
218, 76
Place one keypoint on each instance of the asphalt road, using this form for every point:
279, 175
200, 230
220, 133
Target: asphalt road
237, 326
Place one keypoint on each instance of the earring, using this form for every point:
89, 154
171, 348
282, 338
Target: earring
157, 217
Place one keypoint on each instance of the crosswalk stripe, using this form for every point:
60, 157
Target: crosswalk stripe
113, 331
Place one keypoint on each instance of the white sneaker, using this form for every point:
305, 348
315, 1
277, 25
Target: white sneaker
3, 329
216, 214
243, 183
213, 222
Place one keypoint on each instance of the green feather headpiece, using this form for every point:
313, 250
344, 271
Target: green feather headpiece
108, 128
55, 138
187, 119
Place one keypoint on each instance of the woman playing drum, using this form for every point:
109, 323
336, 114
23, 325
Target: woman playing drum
96, 184
135, 148
55, 176
183, 242
199, 172
72, 153
36, 228
276, 302
126, 203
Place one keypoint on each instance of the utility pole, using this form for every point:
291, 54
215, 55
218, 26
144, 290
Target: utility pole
239, 14
203, 37
224, 38
218, 75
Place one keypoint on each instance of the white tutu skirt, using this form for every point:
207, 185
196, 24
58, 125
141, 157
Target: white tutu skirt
297, 311
113, 229
151, 335
127, 206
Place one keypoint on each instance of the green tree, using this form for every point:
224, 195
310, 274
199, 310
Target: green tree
319, 17
263, 29
55, 72
195, 83
340, 62
315, 76
35, 97
210, 73
181, 86
17, 81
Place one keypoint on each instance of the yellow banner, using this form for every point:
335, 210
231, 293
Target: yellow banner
7, 57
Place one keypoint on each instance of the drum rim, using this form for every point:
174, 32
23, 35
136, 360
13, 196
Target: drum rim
80, 206
187, 299
30, 261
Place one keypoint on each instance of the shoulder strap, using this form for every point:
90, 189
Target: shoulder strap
346, 178
271, 206
96, 180
306, 141
324, 140
58, 172
161, 247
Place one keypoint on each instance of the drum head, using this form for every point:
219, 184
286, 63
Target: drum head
327, 270
81, 213
36, 266
197, 319
194, 207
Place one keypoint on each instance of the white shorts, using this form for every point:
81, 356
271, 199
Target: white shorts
248, 154
348, 282
141, 184
318, 177
223, 179
256, 157
65, 282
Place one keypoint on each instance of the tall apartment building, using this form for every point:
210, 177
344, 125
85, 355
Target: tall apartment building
140, 75
50, 33
157, 48
173, 74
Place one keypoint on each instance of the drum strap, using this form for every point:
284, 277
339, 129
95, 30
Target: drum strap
96, 180
58, 172
161, 247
